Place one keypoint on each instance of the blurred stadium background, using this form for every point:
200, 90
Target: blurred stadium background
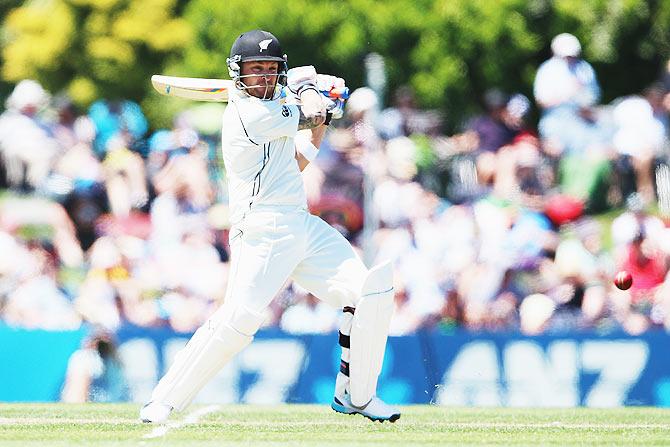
507, 199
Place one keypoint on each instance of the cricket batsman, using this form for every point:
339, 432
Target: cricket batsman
273, 238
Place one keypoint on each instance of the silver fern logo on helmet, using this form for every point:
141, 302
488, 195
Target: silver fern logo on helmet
263, 44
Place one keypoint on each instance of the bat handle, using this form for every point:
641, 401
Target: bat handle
336, 93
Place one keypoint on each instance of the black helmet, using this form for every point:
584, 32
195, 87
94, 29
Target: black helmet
256, 45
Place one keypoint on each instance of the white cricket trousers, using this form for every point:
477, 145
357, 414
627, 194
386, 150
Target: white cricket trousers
269, 246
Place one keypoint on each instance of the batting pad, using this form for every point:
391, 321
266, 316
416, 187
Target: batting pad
206, 353
342, 380
369, 332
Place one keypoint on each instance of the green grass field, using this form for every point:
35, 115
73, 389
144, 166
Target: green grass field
55, 425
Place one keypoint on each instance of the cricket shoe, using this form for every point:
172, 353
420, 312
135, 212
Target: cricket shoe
375, 410
155, 413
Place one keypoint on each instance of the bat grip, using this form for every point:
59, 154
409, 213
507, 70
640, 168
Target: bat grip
329, 117
336, 93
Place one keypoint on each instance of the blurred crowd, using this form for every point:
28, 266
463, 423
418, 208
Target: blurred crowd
502, 226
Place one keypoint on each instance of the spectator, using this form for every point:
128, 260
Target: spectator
18, 214
535, 313
644, 304
26, 147
641, 137
566, 79
405, 118
516, 113
97, 301
112, 119
125, 178
395, 121
405, 320
566, 89
492, 128
85, 196
95, 373
633, 222
647, 264
494, 132
35, 300
655, 95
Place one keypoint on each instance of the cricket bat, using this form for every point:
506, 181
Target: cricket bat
216, 90
196, 89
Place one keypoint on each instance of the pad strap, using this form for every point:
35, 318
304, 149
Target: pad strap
345, 340
344, 368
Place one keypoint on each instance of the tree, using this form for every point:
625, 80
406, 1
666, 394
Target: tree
91, 48
449, 51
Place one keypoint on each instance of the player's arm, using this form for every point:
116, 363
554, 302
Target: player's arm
306, 85
311, 116
307, 145
302, 161
318, 134
302, 82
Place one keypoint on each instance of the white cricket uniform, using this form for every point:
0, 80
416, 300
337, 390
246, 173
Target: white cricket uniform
273, 236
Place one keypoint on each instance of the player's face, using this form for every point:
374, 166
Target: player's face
260, 77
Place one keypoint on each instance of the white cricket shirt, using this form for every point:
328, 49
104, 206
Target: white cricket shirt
259, 154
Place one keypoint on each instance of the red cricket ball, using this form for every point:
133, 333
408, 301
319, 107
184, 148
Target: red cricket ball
623, 280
